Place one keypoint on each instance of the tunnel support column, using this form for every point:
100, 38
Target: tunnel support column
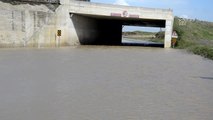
168, 33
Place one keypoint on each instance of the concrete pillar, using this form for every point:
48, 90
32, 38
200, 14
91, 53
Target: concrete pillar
65, 24
168, 33
62, 16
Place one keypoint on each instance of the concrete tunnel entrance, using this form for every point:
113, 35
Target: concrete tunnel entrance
106, 30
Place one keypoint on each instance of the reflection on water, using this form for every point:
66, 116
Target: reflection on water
135, 42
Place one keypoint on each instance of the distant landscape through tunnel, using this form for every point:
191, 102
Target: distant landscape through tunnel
143, 36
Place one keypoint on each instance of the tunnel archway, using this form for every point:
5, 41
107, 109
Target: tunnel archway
105, 30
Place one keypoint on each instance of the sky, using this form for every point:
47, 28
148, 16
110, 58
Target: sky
199, 9
191, 9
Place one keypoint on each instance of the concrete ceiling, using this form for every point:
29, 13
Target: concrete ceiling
129, 21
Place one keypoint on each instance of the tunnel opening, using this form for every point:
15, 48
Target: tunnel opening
108, 30
143, 36
143, 32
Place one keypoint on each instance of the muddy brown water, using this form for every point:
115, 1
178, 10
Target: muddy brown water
105, 83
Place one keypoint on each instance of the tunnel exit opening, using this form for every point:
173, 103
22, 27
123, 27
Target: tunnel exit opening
143, 32
143, 36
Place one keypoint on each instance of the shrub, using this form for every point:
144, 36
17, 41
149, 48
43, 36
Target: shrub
204, 51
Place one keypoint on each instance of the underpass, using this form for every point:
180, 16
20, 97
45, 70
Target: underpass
95, 23
106, 30
52, 23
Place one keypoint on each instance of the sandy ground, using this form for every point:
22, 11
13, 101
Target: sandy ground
105, 83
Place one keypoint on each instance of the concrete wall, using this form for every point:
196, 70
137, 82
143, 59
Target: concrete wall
86, 29
37, 1
89, 8
26, 25
168, 33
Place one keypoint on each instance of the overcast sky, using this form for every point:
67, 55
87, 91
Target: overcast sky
200, 9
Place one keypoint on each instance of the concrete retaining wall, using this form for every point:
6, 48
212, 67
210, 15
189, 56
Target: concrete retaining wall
37, 1
26, 25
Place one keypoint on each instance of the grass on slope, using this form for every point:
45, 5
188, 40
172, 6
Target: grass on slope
195, 36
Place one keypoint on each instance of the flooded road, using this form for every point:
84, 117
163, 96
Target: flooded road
105, 83
136, 42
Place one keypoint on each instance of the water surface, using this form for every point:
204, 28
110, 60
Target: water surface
104, 83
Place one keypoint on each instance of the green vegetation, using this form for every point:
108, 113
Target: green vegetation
138, 33
147, 36
159, 37
196, 36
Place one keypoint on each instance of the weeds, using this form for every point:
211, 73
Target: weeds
196, 36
